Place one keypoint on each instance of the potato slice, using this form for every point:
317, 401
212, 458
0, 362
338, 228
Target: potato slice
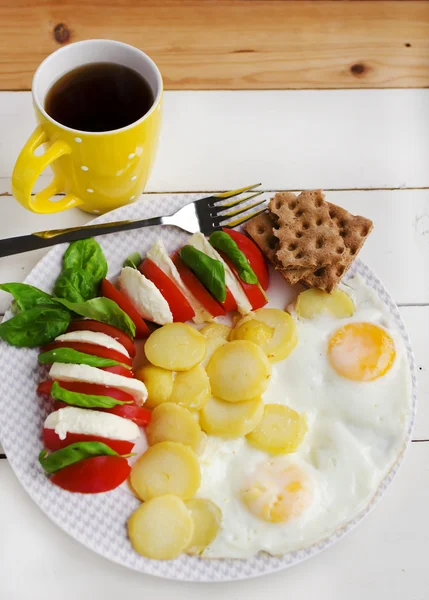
166, 468
239, 371
278, 341
191, 388
216, 330
207, 518
159, 384
231, 419
212, 344
161, 528
313, 303
175, 346
171, 422
280, 431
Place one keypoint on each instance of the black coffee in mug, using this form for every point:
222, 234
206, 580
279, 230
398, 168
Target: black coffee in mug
99, 97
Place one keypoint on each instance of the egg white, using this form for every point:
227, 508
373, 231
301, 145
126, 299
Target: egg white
356, 431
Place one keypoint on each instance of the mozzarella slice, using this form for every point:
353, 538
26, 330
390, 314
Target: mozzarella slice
93, 337
145, 296
90, 422
87, 374
158, 254
199, 241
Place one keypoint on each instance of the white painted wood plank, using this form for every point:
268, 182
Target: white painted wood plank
286, 139
397, 249
417, 322
385, 557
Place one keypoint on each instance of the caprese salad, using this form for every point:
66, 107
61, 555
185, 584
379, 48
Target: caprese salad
86, 330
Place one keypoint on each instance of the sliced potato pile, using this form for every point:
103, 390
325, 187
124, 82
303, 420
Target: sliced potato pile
216, 330
313, 303
166, 468
175, 346
239, 371
280, 431
272, 329
231, 419
191, 388
161, 528
207, 518
174, 423
159, 384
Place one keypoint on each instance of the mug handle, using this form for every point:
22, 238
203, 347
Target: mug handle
29, 167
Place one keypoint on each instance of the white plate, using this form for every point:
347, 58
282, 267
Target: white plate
98, 521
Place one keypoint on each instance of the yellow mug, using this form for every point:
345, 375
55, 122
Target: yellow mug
97, 171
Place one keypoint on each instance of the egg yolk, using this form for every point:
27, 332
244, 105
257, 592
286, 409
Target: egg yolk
361, 351
278, 491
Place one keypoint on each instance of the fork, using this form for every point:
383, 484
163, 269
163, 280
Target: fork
205, 215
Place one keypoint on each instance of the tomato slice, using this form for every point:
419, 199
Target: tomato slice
253, 255
99, 327
93, 475
92, 389
180, 308
141, 416
229, 304
92, 349
119, 370
53, 442
109, 291
197, 289
254, 293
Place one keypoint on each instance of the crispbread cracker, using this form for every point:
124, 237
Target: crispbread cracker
307, 235
349, 231
260, 229
353, 230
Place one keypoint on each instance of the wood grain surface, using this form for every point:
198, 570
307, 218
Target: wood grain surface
232, 44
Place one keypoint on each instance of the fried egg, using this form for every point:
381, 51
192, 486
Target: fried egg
350, 378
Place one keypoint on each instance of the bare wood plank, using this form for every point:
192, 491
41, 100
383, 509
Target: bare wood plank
233, 44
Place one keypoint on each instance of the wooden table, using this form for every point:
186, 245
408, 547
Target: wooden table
369, 149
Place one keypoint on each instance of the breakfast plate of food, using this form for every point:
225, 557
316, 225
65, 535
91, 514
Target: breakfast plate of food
208, 408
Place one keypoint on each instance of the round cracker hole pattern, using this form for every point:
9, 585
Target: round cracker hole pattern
292, 247
340, 250
364, 232
320, 272
305, 225
319, 222
299, 255
319, 242
318, 203
340, 271
298, 213
298, 234
292, 205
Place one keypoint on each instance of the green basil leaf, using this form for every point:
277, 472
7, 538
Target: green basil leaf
36, 326
104, 310
68, 355
75, 285
26, 296
88, 256
133, 260
72, 454
223, 242
209, 271
84, 400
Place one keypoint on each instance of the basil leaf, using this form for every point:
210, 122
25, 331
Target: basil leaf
84, 400
133, 260
104, 310
35, 327
26, 296
209, 271
72, 454
222, 241
75, 285
68, 355
88, 256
